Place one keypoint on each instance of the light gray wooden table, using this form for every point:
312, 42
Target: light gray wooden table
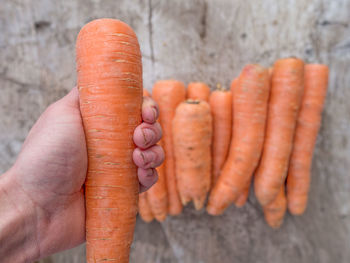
208, 41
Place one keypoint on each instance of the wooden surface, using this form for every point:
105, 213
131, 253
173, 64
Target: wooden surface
208, 41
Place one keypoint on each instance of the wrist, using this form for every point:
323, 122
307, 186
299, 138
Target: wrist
18, 223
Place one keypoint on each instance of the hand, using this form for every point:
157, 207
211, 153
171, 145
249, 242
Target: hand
51, 169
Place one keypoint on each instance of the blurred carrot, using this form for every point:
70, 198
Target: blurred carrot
220, 102
309, 121
250, 99
168, 94
192, 130
198, 91
285, 101
144, 208
157, 195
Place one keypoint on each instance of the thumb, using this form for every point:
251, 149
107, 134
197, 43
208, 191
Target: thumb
71, 99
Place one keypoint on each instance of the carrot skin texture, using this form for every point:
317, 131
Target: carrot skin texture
220, 102
198, 91
250, 100
110, 88
192, 130
157, 196
309, 121
285, 101
144, 208
169, 94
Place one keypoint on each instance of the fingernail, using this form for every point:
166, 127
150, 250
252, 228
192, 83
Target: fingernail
148, 135
148, 157
149, 173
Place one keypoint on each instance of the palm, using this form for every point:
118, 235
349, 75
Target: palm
58, 141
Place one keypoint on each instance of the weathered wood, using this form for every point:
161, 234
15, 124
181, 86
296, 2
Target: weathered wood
208, 41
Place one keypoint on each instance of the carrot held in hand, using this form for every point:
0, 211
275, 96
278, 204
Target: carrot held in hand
285, 100
110, 88
146, 93
274, 212
192, 130
198, 91
168, 94
157, 195
250, 99
308, 124
220, 102
144, 208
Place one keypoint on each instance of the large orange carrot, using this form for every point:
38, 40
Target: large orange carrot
285, 100
274, 212
221, 109
110, 88
192, 130
309, 121
144, 208
168, 94
198, 91
250, 110
157, 196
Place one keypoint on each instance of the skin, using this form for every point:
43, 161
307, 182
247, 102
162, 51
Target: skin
42, 193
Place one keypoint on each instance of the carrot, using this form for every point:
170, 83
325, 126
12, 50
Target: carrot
110, 87
250, 99
146, 93
198, 91
192, 130
144, 208
309, 121
168, 94
285, 100
243, 197
157, 196
220, 102
274, 212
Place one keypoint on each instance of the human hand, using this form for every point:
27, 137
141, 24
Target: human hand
51, 169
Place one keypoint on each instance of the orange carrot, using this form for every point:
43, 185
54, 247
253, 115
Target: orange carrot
309, 121
250, 100
198, 91
168, 94
192, 130
146, 93
157, 196
274, 212
144, 208
110, 87
221, 109
243, 197
285, 100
